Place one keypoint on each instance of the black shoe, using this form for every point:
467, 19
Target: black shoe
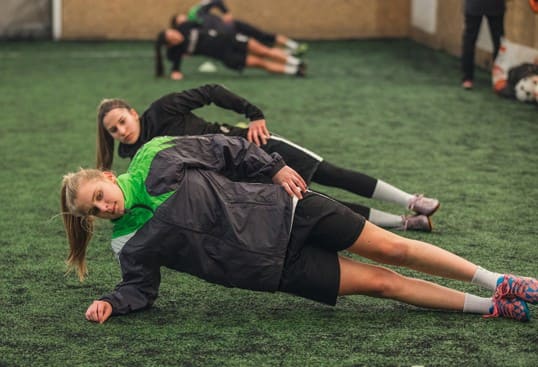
301, 70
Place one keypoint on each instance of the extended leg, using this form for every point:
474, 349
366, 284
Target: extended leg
271, 66
375, 243
496, 28
361, 184
376, 281
268, 39
394, 221
470, 34
386, 247
276, 54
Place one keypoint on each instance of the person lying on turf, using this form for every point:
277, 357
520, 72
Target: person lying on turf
200, 205
173, 115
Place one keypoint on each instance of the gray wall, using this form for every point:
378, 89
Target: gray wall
25, 19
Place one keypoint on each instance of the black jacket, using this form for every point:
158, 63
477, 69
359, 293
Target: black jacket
212, 226
207, 19
172, 115
484, 7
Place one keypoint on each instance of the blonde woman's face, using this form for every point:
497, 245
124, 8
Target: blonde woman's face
101, 198
123, 125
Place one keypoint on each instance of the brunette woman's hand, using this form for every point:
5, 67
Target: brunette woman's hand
99, 311
257, 132
291, 181
176, 75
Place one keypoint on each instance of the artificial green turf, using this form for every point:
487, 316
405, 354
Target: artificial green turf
390, 108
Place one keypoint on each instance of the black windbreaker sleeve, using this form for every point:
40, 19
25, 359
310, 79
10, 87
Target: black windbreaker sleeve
139, 286
188, 100
232, 156
175, 55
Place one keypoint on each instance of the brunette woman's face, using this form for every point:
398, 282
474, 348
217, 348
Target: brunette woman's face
123, 125
102, 198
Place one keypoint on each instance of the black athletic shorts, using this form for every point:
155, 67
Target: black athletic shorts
321, 228
235, 56
229, 48
300, 159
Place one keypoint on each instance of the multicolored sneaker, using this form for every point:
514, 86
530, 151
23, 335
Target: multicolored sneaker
511, 286
511, 308
416, 222
423, 205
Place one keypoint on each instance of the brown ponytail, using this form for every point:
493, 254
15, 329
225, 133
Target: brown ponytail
159, 67
173, 21
105, 142
78, 226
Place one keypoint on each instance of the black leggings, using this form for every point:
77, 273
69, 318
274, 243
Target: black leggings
268, 39
352, 181
356, 182
470, 34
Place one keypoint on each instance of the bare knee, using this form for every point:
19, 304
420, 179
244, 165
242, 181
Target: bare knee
368, 279
382, 246
254, 61
385, 285
395, 252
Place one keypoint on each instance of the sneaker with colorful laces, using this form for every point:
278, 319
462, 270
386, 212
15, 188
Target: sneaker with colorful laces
423, 205
511, 286
511, 308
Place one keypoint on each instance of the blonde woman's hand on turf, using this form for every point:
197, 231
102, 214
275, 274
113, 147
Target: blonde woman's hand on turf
291, 181
257, 132
99, 311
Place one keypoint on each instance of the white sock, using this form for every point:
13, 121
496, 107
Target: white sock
486, 278
475, 304
291, 44
387, 192
292, 60
385, 220
290, 69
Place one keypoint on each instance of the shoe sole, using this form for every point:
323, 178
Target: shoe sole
433, 211
430, 224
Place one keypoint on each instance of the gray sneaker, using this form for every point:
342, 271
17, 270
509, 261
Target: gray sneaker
418, 222
423, 205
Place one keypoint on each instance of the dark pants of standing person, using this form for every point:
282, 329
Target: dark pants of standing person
470, 34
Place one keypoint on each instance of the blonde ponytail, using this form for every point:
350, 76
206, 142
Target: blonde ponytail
78, 226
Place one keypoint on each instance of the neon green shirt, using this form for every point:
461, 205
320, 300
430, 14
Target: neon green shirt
139, 204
